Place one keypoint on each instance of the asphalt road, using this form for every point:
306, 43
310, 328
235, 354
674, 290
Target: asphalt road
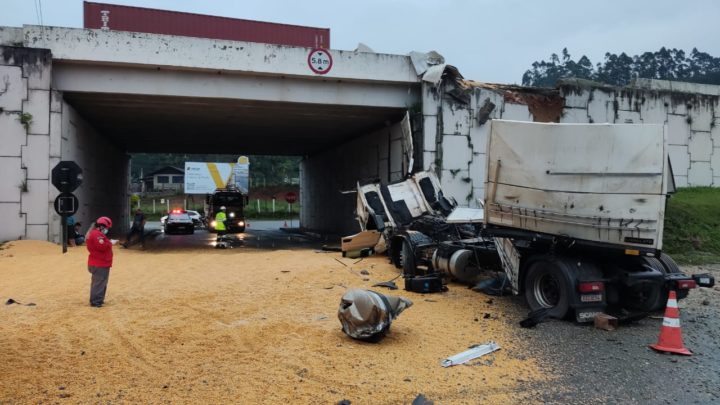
589, 365
582, 364
258, 235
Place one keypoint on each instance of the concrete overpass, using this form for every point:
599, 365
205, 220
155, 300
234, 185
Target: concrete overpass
93, 96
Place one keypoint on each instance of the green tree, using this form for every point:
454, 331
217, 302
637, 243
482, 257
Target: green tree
619, 70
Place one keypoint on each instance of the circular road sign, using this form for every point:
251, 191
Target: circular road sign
320, 61
290, 197
66, 204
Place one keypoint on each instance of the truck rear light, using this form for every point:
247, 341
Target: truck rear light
591, 287
686, 284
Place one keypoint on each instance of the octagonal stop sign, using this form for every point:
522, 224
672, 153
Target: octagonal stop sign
290, 197
66, 176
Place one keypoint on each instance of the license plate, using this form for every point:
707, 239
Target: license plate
591, 297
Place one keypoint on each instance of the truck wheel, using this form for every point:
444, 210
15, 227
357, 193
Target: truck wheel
547, 286
645, 297
407, 258
672, 268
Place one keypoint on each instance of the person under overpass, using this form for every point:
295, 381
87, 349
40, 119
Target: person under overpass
220, 226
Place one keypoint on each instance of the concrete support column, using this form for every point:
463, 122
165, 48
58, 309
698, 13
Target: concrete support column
25, 195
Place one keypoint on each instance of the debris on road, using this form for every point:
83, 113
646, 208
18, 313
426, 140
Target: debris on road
11, 301
367, 315
498, 286
535, 317
422, 400
362, 244
387, 284
472, 353
606, 322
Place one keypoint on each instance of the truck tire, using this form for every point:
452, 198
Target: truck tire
407, 258
672, 268
547, 285
655, 301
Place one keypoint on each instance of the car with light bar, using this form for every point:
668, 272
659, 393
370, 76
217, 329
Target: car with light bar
572, 215
178, 222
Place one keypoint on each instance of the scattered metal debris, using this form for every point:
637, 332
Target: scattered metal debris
472, 353
367, 315
387, 284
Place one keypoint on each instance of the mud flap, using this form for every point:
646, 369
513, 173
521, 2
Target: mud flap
510, 258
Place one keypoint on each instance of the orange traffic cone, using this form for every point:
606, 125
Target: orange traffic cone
670, 339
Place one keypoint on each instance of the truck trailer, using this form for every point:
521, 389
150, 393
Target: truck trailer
573, 216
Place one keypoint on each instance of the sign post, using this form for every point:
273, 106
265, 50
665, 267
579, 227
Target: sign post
290, 198
66, 204
66, 176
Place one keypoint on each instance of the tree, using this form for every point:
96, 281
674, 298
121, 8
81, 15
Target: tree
619, 70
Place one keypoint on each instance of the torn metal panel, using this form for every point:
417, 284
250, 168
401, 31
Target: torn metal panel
462, 215
471, 354
362, 48
434, 74
422, 60
407, 140
362, 240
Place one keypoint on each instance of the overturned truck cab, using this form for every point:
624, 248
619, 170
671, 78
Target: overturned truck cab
573, 215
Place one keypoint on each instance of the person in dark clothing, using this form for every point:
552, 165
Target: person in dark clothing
138, 227
75, 238
99, 260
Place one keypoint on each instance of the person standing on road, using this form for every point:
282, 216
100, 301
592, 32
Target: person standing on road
138, 227
220, 227
99, 260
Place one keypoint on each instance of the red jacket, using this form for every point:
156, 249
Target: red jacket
100, 249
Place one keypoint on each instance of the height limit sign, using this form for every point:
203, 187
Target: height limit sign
320, 61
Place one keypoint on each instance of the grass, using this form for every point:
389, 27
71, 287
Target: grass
692, 226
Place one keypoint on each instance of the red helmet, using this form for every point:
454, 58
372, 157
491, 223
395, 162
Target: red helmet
105, 221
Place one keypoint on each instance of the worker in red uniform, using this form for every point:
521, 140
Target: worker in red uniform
99, 260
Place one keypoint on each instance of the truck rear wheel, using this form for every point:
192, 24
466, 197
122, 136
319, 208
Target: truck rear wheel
548, 286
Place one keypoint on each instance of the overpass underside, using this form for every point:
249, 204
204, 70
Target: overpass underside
98, 114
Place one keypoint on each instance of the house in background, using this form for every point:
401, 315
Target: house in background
166, 178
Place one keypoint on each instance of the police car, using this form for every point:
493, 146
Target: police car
178, 221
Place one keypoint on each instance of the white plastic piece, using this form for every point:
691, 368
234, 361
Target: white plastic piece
470, 354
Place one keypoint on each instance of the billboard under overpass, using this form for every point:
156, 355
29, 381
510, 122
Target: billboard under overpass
206, 177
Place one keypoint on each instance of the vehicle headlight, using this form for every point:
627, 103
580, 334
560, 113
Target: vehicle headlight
241, 223
213, 223
232, 215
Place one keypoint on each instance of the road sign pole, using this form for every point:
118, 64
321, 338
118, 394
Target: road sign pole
64, 233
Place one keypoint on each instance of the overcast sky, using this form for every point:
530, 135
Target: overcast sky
488, 40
